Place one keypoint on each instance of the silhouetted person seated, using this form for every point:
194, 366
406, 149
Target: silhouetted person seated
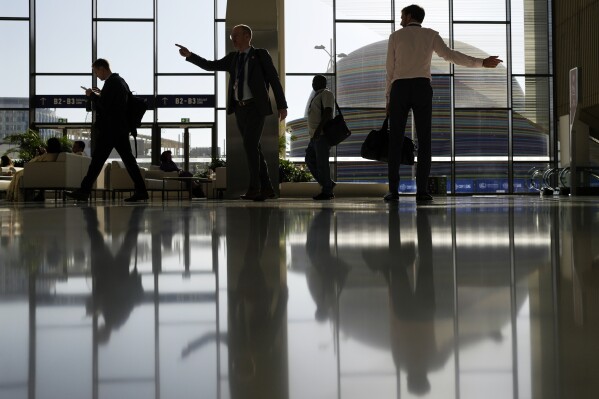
49, 154
6, 162
168, 165
78, 147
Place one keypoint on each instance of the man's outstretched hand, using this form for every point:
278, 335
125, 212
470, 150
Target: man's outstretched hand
183, 50
492, 61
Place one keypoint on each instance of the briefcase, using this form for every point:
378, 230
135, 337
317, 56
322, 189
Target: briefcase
376, 146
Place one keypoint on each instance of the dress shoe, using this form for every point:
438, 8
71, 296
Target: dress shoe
391, 197
268, 194
77, 195
424, 197
137, 197
252, 196
324, 197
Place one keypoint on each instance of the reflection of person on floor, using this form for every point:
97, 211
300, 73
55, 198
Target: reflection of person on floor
116, 290
328, 272
412, 301
257, 309
257, 305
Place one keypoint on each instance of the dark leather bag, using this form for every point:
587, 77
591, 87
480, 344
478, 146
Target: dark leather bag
336, 130
376, 146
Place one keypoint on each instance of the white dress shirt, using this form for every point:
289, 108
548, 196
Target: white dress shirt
410, 53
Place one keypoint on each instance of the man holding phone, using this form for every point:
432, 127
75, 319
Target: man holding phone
110, 104
251, 72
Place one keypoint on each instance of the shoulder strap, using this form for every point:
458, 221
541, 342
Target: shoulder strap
337, 107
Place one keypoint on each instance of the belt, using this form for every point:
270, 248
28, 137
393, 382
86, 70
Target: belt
245, 103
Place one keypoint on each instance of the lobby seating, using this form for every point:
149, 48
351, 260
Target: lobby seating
119, 180
65, 173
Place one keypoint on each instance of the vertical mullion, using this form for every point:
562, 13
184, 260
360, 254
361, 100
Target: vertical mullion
510, 100
214, 132
334, 71
452, 102
32, 63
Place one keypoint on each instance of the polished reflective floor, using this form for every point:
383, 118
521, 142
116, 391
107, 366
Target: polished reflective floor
472, 297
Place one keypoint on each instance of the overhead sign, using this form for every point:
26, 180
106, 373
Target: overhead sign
162, 101
60, 101
185, 101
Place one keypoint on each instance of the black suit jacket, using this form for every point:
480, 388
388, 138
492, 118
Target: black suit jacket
261, 75
111, 105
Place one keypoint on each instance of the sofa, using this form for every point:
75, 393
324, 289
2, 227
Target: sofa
6, 174
155, 183
119, 179
65, 173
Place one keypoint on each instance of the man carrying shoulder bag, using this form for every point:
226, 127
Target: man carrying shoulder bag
320, 112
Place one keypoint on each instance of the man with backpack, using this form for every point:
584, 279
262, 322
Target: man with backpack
112, 122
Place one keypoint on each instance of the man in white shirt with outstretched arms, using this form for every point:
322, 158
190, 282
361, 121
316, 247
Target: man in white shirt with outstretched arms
409, 58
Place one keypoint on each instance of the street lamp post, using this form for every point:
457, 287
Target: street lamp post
330, 54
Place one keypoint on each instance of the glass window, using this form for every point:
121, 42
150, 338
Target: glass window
128, 47
531, 116
200, 147
481, 133
15, 9
221, 40
436, 16
479, 177
481, 87
221, 94
185, 85
222, 133
441, 127
350, 9
530, 37
221, 9
62, 85
363, 38
198, 36
125, 9
14, 75
301, 56
469, 10
63, 39
193, 114
298, 90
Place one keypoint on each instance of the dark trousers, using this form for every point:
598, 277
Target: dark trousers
250, 123
417, 95
317, 159
104, 145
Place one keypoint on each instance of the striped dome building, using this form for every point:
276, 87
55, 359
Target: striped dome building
481, 121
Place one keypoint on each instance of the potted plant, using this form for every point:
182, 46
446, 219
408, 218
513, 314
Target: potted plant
290, 174
28, 144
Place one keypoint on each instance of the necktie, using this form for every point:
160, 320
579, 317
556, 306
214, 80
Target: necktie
240, 73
